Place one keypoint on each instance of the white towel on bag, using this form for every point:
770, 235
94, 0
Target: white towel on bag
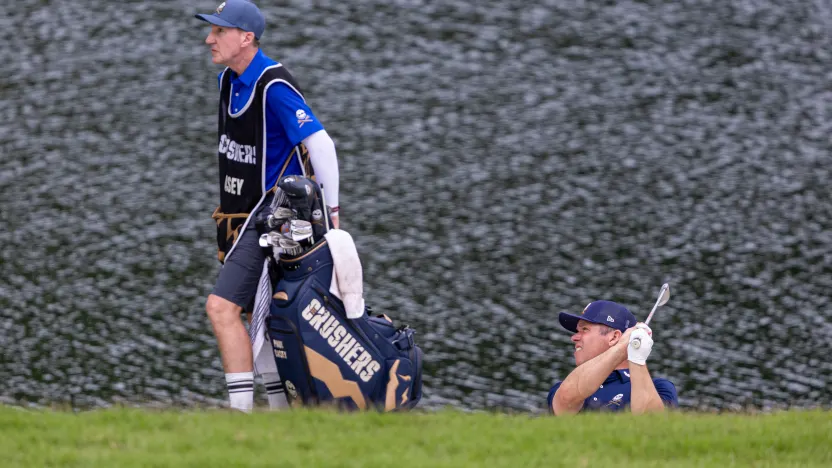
347, 274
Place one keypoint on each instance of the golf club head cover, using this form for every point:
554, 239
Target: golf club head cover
304, 196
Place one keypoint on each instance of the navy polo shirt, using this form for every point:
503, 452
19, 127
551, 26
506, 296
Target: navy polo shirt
614, 393
288, 119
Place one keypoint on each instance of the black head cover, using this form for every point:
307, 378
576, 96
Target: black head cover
304, 196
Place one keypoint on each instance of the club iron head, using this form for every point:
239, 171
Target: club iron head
287, 244
280, 215
264, 240
300, 230
664, 294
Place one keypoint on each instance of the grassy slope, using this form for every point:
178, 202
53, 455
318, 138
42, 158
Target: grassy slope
130, 437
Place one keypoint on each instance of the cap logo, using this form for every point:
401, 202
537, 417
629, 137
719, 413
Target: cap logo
219, 8
585, 308
610, 319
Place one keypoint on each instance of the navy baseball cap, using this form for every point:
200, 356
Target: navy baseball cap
607, 313
240, 14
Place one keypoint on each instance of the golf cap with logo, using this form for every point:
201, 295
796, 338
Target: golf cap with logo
607, 313
240, 14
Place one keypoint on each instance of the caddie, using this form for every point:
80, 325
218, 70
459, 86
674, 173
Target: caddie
266, 131
611, 374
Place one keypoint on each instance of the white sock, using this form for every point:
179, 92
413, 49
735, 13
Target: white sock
275, 391
241, 390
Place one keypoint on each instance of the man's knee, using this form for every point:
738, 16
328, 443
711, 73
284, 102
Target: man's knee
221, 310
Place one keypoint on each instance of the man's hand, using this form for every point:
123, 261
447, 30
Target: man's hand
643, 333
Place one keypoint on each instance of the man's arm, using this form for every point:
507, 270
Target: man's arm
325, 164
644, 398
301, 125
586, 379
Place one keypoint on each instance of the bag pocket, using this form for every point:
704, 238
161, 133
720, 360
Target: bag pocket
291, 362
400, 381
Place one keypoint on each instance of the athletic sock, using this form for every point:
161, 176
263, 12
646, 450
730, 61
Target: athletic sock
241, 390
275, 391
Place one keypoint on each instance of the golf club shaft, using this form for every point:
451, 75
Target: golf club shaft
637, 341
650, 317
324, 209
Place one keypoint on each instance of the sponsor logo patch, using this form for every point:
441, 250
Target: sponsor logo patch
303, 117
616, 400
291, 390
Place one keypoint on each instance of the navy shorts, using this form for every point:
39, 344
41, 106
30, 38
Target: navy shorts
239, 276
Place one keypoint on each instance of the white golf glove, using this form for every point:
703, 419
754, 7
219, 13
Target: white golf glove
639, 356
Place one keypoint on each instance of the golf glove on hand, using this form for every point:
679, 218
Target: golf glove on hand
639, 356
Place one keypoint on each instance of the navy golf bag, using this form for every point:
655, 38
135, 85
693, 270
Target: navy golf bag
322, 356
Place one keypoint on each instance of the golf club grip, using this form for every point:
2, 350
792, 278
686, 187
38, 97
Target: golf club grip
637, 341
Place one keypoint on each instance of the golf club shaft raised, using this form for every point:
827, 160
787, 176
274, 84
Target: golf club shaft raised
665, 287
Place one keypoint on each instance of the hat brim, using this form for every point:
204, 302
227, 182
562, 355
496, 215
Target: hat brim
215, 20
570, 321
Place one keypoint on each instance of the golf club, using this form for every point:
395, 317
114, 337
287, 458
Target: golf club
324, 207
266, 240
664, 296
279, 216
284, 241
299, 230
290, 247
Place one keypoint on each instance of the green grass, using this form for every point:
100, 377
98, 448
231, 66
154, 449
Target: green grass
147, 438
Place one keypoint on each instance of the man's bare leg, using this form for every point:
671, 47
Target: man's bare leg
235, 350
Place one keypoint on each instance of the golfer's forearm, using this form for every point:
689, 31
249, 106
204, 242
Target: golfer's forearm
644, 397
585, 380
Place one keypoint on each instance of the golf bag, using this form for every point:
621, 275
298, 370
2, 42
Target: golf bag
322, 356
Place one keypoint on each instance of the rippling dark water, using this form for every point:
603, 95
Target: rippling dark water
501, 161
